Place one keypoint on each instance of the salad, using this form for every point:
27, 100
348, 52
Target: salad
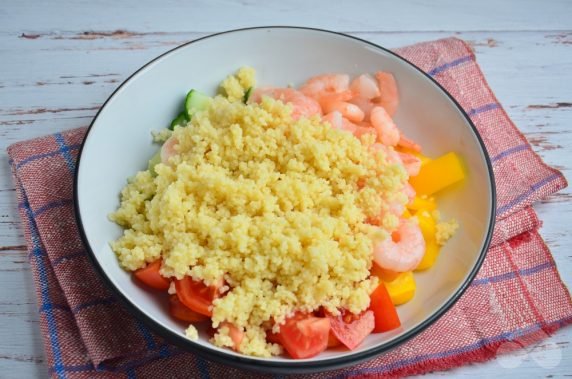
286, 220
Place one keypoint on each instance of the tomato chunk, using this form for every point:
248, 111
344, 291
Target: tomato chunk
384, 311
150, 276
196, 295
350, 329
179, 311
273, 337
333, 341
304, 336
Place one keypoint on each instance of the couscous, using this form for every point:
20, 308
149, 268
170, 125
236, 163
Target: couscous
270, 207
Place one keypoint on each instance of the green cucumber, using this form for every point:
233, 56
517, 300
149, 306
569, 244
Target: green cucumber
155, 159
181, 120
195, 101
247, 95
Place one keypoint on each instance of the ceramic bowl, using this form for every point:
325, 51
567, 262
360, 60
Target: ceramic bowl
118, 144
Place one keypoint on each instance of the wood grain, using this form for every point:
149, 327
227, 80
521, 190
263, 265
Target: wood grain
213, 16
60, 60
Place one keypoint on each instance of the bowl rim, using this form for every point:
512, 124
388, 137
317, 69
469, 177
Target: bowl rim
291, 366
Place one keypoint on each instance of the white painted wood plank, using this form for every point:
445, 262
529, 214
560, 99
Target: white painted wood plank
214, 16
95, 67
548, 359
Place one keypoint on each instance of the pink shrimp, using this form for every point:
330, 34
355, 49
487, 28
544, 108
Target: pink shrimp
334, 118
330, 97
391, 155
258, 93
393, 207
337, 121
364, 86
168, 149
387, 131
350, 111
327, 83
409, 191
366, 105
362, 129
408, 143
403, 250
389, 95
411, 163
301, 105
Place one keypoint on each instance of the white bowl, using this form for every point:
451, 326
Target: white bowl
118, 144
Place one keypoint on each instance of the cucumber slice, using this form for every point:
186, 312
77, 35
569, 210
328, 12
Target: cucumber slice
247, 95
196, 101
181, 120
155, 159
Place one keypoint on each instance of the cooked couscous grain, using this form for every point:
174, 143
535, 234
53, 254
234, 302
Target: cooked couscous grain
444, 230
192, 333
235, 86
270, 204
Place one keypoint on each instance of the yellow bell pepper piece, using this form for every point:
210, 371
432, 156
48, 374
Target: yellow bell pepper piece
424, 159
431, 253
402, 288
420, 203
427, 225
438, 174
382, 273
406, 214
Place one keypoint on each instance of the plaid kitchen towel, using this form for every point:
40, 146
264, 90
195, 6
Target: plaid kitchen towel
517, 296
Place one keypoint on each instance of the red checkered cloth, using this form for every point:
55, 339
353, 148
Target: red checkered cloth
517, 295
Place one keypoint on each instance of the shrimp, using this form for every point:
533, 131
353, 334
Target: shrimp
391, 156
408, 143
392, 206
364, 129
410, 192
404, 250
330, 97
387, 131
366, 105
302, 106
337, 121
168, 149
350, 111
365, 87
389, 95
328, 83
411, 163
258, 93
334, 118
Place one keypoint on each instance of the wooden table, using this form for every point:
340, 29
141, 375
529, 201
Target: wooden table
60, 60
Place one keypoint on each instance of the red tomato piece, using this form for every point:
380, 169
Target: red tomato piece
196, 295
386, 317
350, 329
273, 337
179, 311
150, 276
304, 336
333, 341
